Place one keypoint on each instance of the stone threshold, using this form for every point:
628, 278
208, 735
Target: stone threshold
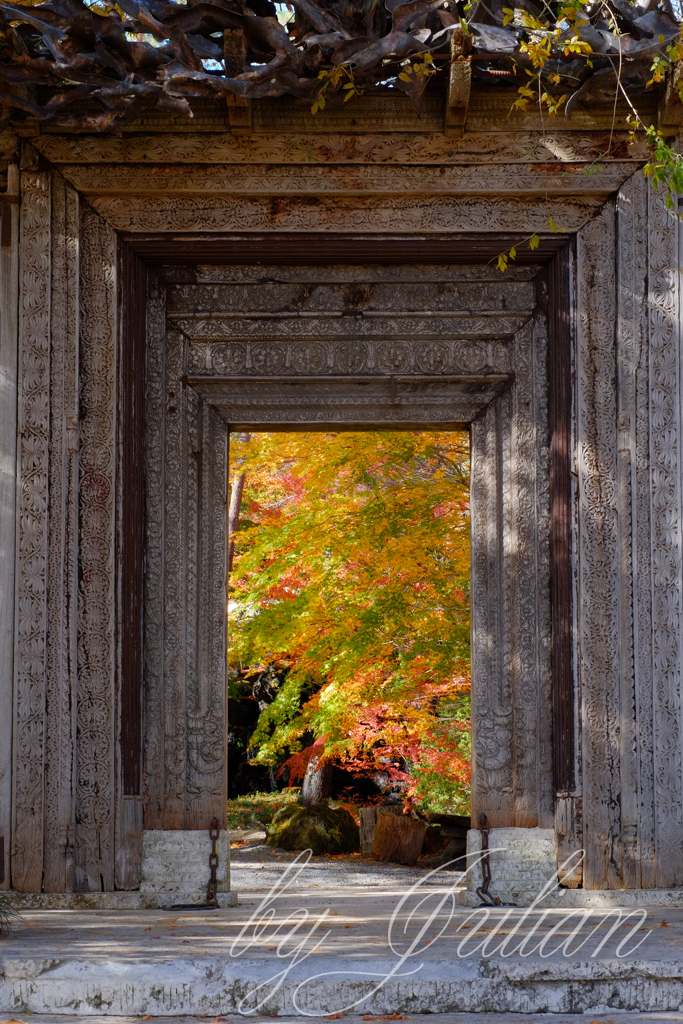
112, 900
589, 898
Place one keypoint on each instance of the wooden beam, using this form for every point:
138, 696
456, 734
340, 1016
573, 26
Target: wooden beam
235, 57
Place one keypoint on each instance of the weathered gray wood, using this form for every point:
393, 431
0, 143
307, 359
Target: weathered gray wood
635, 737
154, 618
96, 708
666, 512
398, 838
511, 752
569, 840
128, 842
9, 299
31, 589
62, 575
598, 551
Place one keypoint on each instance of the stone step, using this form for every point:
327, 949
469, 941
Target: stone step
414, 1018
368, 954
215, 986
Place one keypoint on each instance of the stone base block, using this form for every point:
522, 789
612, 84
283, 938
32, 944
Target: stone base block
177, 861
522, 860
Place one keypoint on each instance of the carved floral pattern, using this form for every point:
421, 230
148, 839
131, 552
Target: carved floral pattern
347, 358
96, 607
353, 213
636, 779
63, 545
403, 328
667, 542
166, 179
31, 612
598, 551
398, 147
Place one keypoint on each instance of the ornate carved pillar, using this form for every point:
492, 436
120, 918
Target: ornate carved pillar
97, 659
512, 758
9, 308
32, 566
666, 518
630, 567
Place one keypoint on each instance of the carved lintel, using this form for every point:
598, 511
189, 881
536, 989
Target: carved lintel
235, 57
459, 86
670, 109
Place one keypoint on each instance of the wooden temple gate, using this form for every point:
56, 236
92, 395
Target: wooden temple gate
169, 282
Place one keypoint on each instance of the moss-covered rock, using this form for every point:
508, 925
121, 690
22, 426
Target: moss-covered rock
320, 828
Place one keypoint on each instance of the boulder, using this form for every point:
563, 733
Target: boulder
320, 828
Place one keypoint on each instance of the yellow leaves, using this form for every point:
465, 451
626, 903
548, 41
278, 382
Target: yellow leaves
331, 79
553, 104
577, 45
538, 50
511, 254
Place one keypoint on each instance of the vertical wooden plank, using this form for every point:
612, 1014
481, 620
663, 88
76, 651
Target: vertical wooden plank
130, 563
62, 583
568, 822
9, 309
642, 561
206, 702
527, 578
667, 541
131, 498
31, 607
96, 713
492, 722
155, 446
559, 470
598, 553
631, 250
179, 617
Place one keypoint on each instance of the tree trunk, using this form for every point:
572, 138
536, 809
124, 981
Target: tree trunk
398, 839
369, 817
317, 782
234, 514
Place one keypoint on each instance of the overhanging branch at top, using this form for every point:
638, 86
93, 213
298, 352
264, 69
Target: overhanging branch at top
96, 66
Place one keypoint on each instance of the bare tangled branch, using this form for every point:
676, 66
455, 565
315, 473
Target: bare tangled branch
97, 64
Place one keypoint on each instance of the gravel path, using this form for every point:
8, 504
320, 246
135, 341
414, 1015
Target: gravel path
255, 867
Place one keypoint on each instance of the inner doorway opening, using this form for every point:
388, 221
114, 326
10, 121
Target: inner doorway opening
349, 641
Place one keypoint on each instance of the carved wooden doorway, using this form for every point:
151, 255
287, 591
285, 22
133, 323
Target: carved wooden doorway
347, 346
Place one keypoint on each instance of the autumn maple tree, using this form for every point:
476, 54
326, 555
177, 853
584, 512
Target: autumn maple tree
351, 577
